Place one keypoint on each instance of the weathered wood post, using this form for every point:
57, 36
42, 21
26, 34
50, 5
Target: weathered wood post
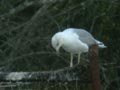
94, 67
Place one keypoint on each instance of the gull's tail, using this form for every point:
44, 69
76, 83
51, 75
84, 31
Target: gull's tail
100, 44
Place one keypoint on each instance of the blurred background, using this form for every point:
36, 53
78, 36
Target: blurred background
26, 28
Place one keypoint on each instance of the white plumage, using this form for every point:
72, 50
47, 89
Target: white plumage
74, 41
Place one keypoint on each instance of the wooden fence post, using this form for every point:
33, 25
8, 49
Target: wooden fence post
94, 67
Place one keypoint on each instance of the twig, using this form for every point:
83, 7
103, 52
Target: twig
98, 16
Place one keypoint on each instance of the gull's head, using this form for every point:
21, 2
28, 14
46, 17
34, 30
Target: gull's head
57, 41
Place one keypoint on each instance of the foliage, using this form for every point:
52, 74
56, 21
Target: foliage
26, 27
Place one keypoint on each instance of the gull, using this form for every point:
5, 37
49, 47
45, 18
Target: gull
74, 41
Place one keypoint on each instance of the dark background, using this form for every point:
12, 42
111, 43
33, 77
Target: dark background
26, 28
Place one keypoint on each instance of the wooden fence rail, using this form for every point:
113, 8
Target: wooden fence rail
65, 74
76, 73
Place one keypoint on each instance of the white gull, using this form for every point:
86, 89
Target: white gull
74, 41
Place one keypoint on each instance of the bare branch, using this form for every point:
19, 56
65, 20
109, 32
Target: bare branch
27, 4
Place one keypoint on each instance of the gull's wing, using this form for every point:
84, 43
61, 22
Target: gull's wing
84, 36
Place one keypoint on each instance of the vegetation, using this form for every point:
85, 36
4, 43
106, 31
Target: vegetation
26, 28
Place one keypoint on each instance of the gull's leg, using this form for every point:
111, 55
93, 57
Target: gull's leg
71, 60
79, 54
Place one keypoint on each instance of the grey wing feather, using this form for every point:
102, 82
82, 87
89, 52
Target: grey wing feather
85, 36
